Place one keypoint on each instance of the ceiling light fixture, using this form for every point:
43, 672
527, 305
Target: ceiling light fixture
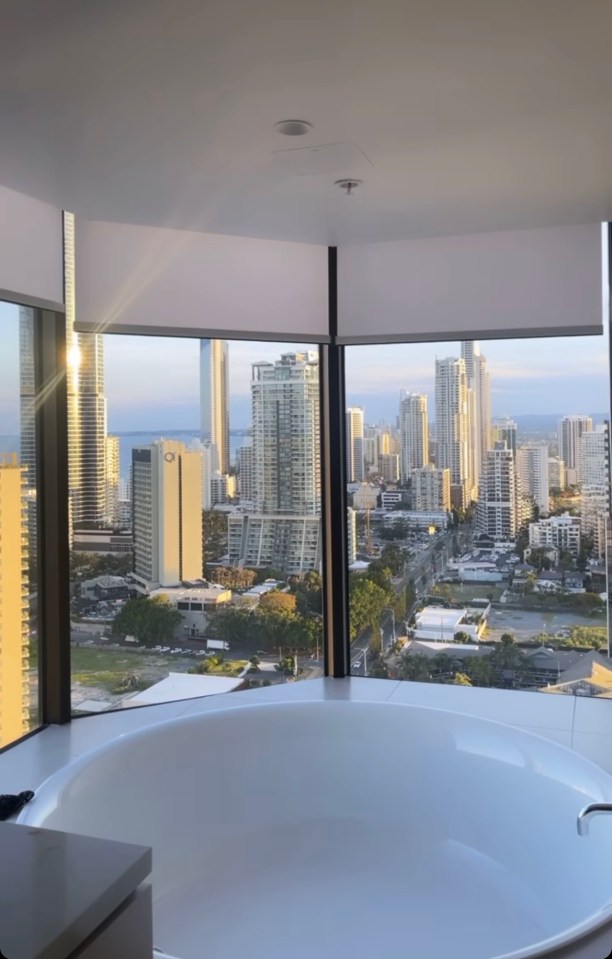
349, 186
293, 128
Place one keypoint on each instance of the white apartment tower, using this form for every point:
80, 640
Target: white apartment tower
214, 401
431, 489
284, 530
595, 456
167, 510
453, 428
355, 459
414, 433
497, 508
286, 435
246, 474
560, 532
595, 489
532, 467
570, 431
479, 382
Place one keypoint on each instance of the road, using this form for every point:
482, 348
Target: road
359, 647
422, 570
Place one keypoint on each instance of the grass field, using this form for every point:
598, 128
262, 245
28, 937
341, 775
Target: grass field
468, 591
108, 669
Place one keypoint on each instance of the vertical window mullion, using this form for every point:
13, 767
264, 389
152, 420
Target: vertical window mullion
334, 500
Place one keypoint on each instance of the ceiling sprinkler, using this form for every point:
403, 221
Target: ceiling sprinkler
349, 186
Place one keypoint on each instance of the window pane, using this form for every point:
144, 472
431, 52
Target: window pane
19, 700
195, 503
479, 480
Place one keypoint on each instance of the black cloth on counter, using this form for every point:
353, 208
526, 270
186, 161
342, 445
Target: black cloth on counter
10, 805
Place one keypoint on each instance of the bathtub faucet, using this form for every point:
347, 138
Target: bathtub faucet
593, 809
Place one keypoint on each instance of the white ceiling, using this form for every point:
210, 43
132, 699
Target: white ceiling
474, 114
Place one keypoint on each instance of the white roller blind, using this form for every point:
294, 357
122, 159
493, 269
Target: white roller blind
142, 279
516, 283
31, 256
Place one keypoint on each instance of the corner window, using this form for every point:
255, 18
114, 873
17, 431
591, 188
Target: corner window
479, 480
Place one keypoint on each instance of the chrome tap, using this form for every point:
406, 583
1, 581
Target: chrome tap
592, 809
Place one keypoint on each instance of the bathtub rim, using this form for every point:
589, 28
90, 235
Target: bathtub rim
580, 933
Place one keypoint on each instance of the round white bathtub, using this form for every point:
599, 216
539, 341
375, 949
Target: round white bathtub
362, 830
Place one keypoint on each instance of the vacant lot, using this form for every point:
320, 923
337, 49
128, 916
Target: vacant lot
107, 675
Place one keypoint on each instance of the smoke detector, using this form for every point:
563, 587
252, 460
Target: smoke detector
293, 128
349, 186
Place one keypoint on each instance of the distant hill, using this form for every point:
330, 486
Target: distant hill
546, 423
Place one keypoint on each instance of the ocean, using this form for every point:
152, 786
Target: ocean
10, 443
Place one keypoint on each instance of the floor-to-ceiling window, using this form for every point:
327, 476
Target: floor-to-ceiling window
479, 480
19, 637
195, 503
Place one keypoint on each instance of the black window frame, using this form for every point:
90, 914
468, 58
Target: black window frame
53, 509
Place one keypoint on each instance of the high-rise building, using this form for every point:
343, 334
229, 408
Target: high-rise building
383, 441
570, 431
73, 362
167, 509
453, 428
86, 407
90, 505
286, 435
496, 511
556, 473
414, 433
27, 422
594, 515
355, 461
214, 401
532, 466
288, 543
246, 474
370, 448
479, 382
206, 455
284, 531
222, 488
389, 467
14, 607
112, 480
595, 456
431, 488
504, 431
595, 489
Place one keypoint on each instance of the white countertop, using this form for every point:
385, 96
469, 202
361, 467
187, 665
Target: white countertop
57, 888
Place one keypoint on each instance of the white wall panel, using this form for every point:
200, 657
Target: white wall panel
142, 279
524, 282
31, 251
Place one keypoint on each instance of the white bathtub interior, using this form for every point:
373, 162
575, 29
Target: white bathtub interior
330, 828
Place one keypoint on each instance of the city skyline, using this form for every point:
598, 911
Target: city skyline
571, 376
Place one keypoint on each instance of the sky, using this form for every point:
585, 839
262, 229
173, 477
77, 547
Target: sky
152, 383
